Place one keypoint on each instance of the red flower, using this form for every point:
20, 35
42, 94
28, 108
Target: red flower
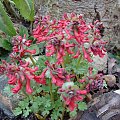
82, 92
41, 79
12, 79
69, 35
71, 102
82, 80
28, 88
71, 94
77, 54
17, 87
20, 44
86, 55
90, 70
19, 73
59, 75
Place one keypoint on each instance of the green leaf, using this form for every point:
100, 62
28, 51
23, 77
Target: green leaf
35, 107
23, 31
47, 103
46, 88
55, 114
82, 106
34, 46
5, 44
26, 112
23, 104
57, 104
105, 84
81, 68
26, 8
7, 90
73, 113
17, 111
6, 24
45, 112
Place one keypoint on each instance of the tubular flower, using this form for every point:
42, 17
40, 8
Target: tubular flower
86, 55
59, 75
19, 74
58, 47
71, 94
28, 88
69, 35
20, 46
41, 78
96, 82
18, 87
2, 69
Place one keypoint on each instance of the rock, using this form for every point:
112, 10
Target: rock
104, 107
109, 106
7, 103
110, 80
6, 109
3, 82
100, 63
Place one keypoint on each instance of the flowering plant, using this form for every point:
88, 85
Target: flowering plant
59, 81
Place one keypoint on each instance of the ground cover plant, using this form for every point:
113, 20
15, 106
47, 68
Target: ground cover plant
59, 81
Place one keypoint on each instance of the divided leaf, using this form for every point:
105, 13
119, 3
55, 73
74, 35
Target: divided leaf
82, 106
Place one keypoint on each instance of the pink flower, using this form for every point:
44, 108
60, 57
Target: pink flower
82, 80
2, 69
19, 73
59, 75
71, 102
96, 82
20, 46
86, 55
41, 78
28, 88
12, 79
17, 87
90, 70
71, 94
77, 54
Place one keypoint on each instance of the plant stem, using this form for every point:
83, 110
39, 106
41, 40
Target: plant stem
77, 78
51, 94
79, 60
31, 58
66, 60
31, 27
39, 117
63, 112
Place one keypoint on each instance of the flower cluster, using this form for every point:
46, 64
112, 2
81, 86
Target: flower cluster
66, 40
95, 82
19, 75
71, 94
70, 35
58, 75
19, 72
20, 46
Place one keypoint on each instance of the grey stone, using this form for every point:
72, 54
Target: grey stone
5, 102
